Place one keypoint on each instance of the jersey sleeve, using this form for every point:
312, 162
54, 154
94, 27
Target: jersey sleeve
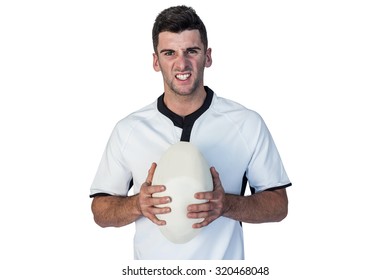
265, 169
113, 176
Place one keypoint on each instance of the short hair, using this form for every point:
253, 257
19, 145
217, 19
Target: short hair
177, 19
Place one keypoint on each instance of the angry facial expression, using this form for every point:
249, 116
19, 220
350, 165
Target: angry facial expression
181, 58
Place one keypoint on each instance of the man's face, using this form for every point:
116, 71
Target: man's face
181, 58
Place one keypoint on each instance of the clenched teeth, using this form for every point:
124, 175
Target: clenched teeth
183, 77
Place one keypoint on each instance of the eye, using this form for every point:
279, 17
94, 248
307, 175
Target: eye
192, 51
169, 53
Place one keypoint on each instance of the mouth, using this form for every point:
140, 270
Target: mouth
182, 77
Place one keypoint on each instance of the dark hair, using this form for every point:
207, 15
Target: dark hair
177, 19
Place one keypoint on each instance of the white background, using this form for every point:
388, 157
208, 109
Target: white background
317, 71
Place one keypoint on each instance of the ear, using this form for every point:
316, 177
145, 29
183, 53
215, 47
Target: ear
209, 60
156, 65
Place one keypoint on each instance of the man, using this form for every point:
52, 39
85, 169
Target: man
234, 140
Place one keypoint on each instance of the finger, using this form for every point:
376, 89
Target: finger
202, 207
147, 201
204, 223
156, 220
215, 176
205, 195
149, 190
151, 213
197, 215
217, 187
160, 210
149, 178
154, 201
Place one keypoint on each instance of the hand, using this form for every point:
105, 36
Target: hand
212, 209
147, 203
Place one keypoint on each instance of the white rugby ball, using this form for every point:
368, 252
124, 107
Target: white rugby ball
184, 171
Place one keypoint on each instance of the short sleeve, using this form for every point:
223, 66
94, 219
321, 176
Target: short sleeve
113, 176
265, 169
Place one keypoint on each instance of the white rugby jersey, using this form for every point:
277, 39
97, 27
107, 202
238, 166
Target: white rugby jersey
232, 138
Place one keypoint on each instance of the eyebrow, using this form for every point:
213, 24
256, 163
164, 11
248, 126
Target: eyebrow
188, 49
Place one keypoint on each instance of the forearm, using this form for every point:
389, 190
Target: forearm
263, 207
115, 211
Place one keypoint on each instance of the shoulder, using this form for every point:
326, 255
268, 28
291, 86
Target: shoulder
140, 116
136, 120
245, 122
235, 111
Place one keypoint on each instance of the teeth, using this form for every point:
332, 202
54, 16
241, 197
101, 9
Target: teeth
183, 77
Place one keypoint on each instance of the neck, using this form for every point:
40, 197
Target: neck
184, 105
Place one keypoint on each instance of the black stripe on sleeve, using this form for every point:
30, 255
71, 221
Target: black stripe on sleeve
278, 188
99, 194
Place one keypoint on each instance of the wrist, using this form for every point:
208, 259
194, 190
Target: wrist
136, 205
228, 205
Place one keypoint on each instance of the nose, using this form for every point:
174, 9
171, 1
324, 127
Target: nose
182, 62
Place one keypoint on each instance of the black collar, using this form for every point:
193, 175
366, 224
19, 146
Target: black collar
188, 121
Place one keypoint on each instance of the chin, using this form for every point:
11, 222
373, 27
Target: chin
185, 90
